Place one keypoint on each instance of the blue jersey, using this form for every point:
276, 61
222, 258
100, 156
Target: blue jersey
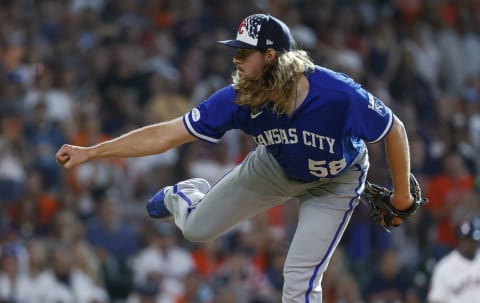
319, 139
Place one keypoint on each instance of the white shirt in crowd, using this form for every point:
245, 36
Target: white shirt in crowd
45, 288
455, 279
172, 267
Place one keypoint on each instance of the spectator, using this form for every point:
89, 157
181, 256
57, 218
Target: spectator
390, 283
239, 276
17, 285
210, 162
425, 52
208, 257
457, 42
455, 277
447, 191
408, 86
163, 259
62, 282
115, 242
85, 260
348, 290
383, 54
43, 136
144, 293
339, 283
84, 182
10, 276
272, 287
109, 234
12, 174
196, 290
52, 88
67, 227
34, 213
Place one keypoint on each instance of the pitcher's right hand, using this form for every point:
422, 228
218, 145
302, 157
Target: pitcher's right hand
69, 155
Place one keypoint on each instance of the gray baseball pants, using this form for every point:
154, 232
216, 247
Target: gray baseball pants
325, 207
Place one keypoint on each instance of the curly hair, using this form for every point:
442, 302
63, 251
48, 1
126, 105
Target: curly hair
278, 78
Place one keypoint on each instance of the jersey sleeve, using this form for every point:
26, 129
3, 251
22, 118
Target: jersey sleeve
209, 120
369, 119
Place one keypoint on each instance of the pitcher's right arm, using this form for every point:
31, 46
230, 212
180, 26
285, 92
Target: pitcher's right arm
144, 141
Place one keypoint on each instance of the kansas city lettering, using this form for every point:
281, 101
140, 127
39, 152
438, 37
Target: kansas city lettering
290, 136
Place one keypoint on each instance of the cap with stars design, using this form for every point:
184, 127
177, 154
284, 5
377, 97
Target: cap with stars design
262, 32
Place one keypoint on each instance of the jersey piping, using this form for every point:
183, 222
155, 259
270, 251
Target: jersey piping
191, 130
386, 131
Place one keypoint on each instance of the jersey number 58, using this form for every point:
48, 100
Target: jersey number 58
323, 169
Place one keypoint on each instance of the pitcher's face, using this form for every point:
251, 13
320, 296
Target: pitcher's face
251, 62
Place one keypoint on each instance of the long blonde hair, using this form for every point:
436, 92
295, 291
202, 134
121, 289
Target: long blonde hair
278, 78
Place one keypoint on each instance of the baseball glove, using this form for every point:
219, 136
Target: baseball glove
377, 198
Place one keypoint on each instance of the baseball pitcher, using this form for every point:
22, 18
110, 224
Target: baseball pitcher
311, 125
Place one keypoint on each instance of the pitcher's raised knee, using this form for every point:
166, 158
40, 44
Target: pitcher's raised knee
197, 235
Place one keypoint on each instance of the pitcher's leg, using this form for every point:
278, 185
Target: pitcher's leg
323, 217
181, 198
229, 202
318, 232
247, 190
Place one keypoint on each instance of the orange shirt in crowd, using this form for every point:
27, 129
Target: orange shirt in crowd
445, 194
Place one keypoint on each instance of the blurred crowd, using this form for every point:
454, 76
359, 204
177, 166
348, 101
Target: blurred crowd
83, 71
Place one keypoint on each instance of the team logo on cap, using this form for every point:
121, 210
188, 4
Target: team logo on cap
248, 30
